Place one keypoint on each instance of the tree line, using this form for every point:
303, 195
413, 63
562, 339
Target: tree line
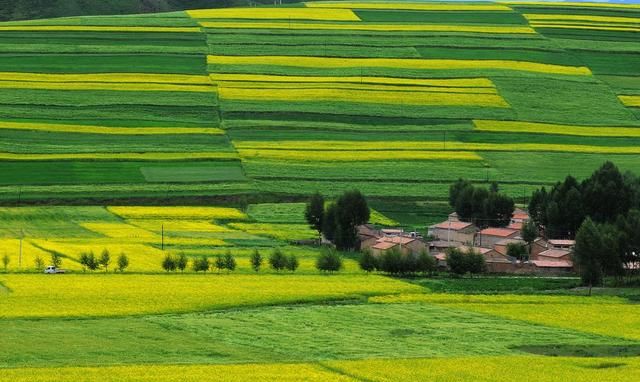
602, 213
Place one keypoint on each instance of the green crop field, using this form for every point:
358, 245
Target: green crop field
203, 132
405, 98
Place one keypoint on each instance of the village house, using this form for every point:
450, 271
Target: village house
553, 267
496, 262
562, 244
554, 255
457, 231
441, 246
368, 236
488, 237
502, 246
405, 244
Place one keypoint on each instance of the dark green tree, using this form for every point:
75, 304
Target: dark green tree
229, 262
367, 261
105, 259
278, 260
256, 260
426, 264
330, 222
529, 234
292, 263
352, 211
123, 262
219, 263
517, 251
328, 260
606, 194
201, 264
169, 263
182, 262
314, 212
588, 253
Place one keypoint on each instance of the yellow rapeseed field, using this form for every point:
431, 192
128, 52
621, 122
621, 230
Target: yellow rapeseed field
145, 78
177, 212
30, 253
354, 86
600, 19
415, 6
563, 25
492, 368
175, 225
115, 295
354, 156
574, 4
285, 232
87, 28
443, 82
275, 14
409, 63
124, 231
548, 128
368, 27
179, 373
88, 129
151, 156
630, 100
140, 87
417, 98
406, 146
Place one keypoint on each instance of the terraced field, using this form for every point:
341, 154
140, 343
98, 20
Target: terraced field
395, 99
415, 95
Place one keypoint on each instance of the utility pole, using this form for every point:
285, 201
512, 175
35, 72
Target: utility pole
162, 245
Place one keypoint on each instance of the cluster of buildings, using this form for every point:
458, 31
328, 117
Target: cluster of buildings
546, 257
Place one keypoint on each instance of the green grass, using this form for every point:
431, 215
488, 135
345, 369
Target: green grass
298, 333
525, 285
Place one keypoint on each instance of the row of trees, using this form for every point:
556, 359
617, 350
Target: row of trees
90, 262
397, 263
480, 206
338, 221
278, 261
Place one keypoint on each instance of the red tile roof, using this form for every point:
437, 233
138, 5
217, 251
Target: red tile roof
552, 264
555, 253
499, 232
453, 225
516, 226
384, 245
397, 239
480, 250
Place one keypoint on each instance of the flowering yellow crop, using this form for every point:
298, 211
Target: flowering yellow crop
150, 87
142, 257
151, 156
574, 4
84, 129
563, 25
419, 98
354, 156
126, 232
275, 14
353, 86
285, 232
186, 213
87, 28
408, 63
548, 128
492, 368
378, 218
331, 148
30, 253
179, 373
630, 100
113, 295
436, 82
600, 19
108, 77
178, 225
415, 6
367, 27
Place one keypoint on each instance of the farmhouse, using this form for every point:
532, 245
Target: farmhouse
405, 244
562, 244
554, 255
502, 245
496, 262
450, 230
489, 237
552, 267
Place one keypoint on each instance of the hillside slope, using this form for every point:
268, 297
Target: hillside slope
397, 100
